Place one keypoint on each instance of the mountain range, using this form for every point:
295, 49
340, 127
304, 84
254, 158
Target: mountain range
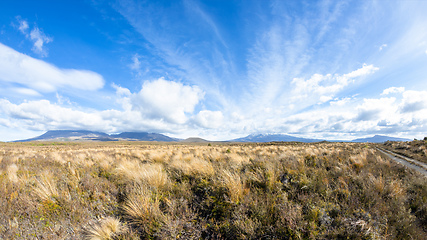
273, 137
84, 135
380, 139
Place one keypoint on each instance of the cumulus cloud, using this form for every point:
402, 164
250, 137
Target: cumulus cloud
41, 76
413, 101
168, 100
37, 36
382, 47
393, 90
373, 108
44, 115
328, 85
385, 115
209, 119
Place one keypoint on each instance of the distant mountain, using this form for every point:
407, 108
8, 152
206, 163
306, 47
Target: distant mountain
143, 136
194, 140
380, 139
84, 135
274, 138
71, 135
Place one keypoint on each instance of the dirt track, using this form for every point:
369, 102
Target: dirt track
409, 162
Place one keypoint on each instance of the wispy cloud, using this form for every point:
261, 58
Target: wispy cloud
393, 90
136, 64
186, 55
382, 47
23, 26
39, 39
37, 36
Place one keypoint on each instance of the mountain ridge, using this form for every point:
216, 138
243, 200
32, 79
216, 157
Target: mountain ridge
86, 135
380, 139
274, 137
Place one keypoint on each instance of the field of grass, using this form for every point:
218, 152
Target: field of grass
416, 149
134, 190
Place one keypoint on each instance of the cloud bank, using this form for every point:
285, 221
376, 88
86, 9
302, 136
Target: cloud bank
40, 76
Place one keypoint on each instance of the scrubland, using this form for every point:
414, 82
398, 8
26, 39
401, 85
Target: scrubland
139, 190
416, 149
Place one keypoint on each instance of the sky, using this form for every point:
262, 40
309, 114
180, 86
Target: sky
214, 69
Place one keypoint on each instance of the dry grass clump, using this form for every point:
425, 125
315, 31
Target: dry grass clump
106, 228
11, 173
191, 165
142, 209
45, 187
134, 171
234, 184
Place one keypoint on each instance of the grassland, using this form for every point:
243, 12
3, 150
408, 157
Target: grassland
139, 190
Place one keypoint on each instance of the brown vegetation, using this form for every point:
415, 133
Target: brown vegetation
137, 190
416, 149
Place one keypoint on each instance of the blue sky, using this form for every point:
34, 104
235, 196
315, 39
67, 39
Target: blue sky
214, 69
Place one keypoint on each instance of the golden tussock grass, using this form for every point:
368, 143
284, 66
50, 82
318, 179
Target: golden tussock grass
12, 173
234, 184
106, 228
134, 171
45, 187
142, 209
190, 165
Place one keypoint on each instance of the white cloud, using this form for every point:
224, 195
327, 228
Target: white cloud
43, 115
382, 47
40, 76
136, 64
37, 36
39, 39
326, 86
372, 109
209, 119
23, 26
25, 91
168, 100
340, 102
364, 71
337, 120
414, 101
393, 90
